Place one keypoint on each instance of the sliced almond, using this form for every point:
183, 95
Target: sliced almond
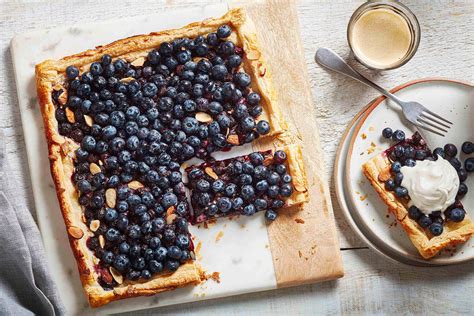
138, 62
58, 139
75, 232
300, 187
233, 139
135, 185
65, 149
70, 115
94, 168
384, 175
62, 99
268, 160
101, 241
127, 79
110, 197
89, 120
203, 117
116, 275
94, 226
57, 87
170, 218
210, 172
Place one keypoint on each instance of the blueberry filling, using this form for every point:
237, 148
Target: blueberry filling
242, 185
135, 123
406, 152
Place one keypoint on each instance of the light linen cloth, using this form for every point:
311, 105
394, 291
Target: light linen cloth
26, 286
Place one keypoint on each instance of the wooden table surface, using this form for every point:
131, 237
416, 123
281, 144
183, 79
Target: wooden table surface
372, 284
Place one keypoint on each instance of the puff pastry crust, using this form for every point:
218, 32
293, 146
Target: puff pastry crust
427, 245
50, 76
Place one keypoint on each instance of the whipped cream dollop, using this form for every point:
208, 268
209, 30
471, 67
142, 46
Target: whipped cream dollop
432, 185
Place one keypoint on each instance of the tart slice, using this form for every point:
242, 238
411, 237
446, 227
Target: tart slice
421, 188
261, 181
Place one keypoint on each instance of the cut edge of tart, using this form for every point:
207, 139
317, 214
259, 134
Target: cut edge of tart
377, 170
50, 78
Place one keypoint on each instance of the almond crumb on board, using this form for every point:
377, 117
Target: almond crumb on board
299, 221
219, 235
216, 276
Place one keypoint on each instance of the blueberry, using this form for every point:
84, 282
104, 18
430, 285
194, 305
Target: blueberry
169, 199
249, 210
286, 190
399, 151
183, 56
424, 221
455, 162
139, 263
286, 178
150, 89
242, 79
261, 204
183, 241
420, 154
224, 204
203, 185
247, 192
237, 203
401, 192
414, 212
396, 166
108, 257
256, 111
190, 125
450, 150
271, 215
219, 72
436, 229
84, 186
398, 136
277, 203
467, 148
469, 164
112, 234
155, 266
172, 265
273, 191
122, 223
234, 61
262, 185
462, 174
124, 247
224, 31
387, 132
218, 186
88, 143
410, 162
439, 152
84, 90
457, 214
462, 190
263, 127
110, 215
215, 108
72, 72
248, 123
174, 252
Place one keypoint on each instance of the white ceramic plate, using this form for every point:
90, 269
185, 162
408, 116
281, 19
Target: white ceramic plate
362, 206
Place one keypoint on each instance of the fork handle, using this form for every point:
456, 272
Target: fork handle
329, 59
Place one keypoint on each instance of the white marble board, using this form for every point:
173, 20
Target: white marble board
244, 263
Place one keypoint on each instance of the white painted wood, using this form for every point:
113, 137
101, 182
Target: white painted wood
372, 284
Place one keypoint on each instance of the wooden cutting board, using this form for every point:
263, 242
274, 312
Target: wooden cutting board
303, 242
300, 247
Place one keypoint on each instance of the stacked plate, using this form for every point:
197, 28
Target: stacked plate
362, 140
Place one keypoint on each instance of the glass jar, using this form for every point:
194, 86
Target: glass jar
383, 34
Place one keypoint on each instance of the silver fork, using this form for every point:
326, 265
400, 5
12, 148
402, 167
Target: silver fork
414, 112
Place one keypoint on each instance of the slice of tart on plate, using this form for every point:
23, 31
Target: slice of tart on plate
423, 189
120, 121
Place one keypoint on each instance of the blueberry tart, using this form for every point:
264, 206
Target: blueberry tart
423, 188
120, 121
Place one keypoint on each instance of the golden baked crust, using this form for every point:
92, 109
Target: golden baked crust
298, 175
50, 76
428, 246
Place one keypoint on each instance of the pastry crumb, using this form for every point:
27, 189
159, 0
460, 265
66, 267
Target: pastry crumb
363, 197
266, 246
299, 221
216, 276
363, 136
299, 253
219, 235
